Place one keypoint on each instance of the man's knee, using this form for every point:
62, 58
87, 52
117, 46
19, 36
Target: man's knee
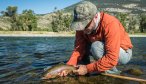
125, 56
97, 49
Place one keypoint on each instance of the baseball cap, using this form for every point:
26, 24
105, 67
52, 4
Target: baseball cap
83, 14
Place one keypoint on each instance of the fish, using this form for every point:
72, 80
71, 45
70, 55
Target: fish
53, 71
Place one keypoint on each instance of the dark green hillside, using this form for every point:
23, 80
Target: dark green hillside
129, 6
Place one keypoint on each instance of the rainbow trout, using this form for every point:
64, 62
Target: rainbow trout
53, 71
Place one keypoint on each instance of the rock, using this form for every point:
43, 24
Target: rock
135, 71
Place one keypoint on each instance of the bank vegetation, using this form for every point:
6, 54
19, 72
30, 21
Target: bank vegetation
60, 21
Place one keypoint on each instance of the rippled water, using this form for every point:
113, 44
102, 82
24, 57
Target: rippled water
22, 59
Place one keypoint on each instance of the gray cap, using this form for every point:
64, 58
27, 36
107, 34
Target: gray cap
83, 14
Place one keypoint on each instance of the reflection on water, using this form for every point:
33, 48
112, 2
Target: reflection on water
22, 59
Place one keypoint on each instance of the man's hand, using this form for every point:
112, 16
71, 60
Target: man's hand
82, 70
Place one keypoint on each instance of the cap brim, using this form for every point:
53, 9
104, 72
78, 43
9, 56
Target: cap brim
79, 25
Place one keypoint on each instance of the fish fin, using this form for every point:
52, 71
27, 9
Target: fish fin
45, 69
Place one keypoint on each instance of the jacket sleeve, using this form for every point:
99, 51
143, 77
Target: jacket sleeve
112, 47
79, 49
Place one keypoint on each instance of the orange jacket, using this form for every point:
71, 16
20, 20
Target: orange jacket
112, 33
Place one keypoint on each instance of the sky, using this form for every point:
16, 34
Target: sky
38, 6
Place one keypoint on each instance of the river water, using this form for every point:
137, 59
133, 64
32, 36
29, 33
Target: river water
22, 59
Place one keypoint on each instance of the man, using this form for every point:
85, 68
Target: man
103, 36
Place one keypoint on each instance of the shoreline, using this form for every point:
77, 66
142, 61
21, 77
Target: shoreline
50, 35
35, 34
137, 35
47, 34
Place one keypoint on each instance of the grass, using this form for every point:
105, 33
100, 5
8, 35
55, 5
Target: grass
138, 34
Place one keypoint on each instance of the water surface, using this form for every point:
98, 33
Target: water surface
22, 59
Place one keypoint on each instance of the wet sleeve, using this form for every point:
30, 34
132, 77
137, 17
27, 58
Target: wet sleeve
79, 49
112, 47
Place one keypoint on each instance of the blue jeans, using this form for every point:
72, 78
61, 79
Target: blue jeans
97, 50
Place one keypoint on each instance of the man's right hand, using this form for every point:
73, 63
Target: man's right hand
82, 70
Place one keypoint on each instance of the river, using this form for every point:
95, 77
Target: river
22, 59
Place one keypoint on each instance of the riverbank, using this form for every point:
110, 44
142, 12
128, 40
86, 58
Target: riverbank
36, 34
48, 34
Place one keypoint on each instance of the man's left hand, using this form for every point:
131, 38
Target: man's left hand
82, 70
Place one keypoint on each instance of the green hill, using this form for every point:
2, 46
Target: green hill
128, 6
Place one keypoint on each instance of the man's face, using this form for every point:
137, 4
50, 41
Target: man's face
90, 27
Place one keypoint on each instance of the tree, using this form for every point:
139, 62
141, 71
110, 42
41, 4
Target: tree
132, 23
27, 20
11, 11
123, 17
57, 23
142, 22
61, 21
67, 20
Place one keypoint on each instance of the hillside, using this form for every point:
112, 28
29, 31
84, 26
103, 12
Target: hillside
129, 6
5, 23
112, 6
